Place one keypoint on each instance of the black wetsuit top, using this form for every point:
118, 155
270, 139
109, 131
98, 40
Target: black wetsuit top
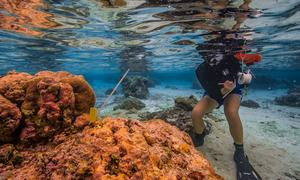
219, 64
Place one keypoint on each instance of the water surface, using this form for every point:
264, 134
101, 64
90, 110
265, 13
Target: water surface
158, 39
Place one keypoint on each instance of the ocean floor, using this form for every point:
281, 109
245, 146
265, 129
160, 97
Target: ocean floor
271, 132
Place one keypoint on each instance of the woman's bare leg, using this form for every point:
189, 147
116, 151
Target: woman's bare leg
231, 109
205, 105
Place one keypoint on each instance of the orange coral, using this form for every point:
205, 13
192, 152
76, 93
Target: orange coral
13, 86
49, 102
119, 149
10, 118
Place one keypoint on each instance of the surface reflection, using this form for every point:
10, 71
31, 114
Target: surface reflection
142, 34
25, 16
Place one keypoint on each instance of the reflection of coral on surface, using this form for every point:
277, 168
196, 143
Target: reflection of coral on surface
24, 16
115, 149
48, 101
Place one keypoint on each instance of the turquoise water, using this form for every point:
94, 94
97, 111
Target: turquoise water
156, 39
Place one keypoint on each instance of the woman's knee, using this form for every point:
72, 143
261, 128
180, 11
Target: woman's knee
230, 111
198, 111
231, 105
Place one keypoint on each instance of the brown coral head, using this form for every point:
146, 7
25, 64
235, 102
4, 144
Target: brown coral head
47, 103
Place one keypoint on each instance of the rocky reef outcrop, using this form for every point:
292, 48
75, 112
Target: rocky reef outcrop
130, 103
250, 104
136, 86
186, 103
113, 149
33, 107
53, 106
179, 115
10, 119
291, 99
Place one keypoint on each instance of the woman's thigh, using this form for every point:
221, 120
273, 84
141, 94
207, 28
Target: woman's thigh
205, 105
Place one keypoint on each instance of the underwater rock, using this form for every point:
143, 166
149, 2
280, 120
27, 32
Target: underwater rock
179, 115
10, 119
250, 104
291, 99
49, 102
130, 103
136, 86
115, 148
175, 116
186, 103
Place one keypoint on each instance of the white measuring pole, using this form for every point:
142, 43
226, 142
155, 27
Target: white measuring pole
113, 91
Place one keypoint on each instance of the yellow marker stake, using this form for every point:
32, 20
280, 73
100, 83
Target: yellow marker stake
93, 114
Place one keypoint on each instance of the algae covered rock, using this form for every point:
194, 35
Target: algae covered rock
115, 148
291, 99
250, 104
136, 86
186, 103
130, 103
45, 103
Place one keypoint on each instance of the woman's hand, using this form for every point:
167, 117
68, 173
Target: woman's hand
227, 86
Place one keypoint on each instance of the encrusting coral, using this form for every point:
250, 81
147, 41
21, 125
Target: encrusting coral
10, 118
46, 133
114, 148
46, 103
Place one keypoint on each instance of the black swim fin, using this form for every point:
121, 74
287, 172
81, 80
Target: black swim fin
198, 139
245, 170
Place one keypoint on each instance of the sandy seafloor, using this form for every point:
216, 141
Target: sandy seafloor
271, 132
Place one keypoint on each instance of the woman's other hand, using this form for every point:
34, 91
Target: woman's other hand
227, 86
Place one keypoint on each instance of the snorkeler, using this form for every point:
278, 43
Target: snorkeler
223, 78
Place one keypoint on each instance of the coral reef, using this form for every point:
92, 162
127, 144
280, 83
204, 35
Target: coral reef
291, 99
136, 86
250, 104
179, 115
9, 155
130, 103
44, 103
114, 149
13, 86
10, 119
53, 106
175, 116
186, 103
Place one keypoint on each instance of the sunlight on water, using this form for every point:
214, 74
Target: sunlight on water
92, 37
